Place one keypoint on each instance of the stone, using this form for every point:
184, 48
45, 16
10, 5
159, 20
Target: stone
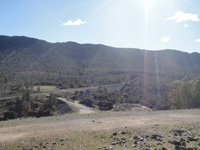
141, 139
113, 143
183, 143
176, 143
175, 134
134, 145
147, 136
123, 132
182, 140
123, 139
190, 138
179, 132
180, 147
156, 136
135, 137
115, 133
191, 148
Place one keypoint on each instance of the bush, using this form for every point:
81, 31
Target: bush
105, 105
9, 115
87, 102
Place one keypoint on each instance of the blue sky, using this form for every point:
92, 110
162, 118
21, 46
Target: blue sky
144, 24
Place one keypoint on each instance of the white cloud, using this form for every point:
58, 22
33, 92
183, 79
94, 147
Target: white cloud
75, 23
198, 40
185, 25
165, 39
181, 16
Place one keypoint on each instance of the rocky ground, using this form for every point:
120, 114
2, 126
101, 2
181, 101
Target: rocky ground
163, 130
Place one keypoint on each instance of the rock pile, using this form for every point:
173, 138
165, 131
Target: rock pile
179, 139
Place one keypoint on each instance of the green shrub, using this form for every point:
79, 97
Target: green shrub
87, 102
10, 115
105, 105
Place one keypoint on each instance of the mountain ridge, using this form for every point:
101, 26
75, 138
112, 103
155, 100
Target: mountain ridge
15, 50
73, 42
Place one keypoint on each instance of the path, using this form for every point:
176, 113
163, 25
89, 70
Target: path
82, 109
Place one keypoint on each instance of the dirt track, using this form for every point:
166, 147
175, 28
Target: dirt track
82, 109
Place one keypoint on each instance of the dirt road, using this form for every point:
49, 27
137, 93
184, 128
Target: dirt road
82, 109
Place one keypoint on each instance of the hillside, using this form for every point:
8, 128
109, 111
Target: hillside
70, 64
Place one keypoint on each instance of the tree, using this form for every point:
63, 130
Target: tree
181, 94
88, 102
26, 108
104, 102
9, 115
26, 95
105, 105
26, 102
49, 107
196, 92
38, 88
52, 99
186, 94
72, 85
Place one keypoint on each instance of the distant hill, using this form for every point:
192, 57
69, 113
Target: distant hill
73, 65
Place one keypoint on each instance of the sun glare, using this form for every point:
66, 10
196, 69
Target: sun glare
148, 3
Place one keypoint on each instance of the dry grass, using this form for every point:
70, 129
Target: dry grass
45, 88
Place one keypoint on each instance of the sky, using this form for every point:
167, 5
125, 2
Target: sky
144, 24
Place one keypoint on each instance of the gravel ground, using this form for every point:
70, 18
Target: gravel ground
32, 130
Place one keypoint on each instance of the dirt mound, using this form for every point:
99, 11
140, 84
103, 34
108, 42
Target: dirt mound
130, 107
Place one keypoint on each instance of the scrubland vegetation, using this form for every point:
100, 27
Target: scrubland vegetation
32, 106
